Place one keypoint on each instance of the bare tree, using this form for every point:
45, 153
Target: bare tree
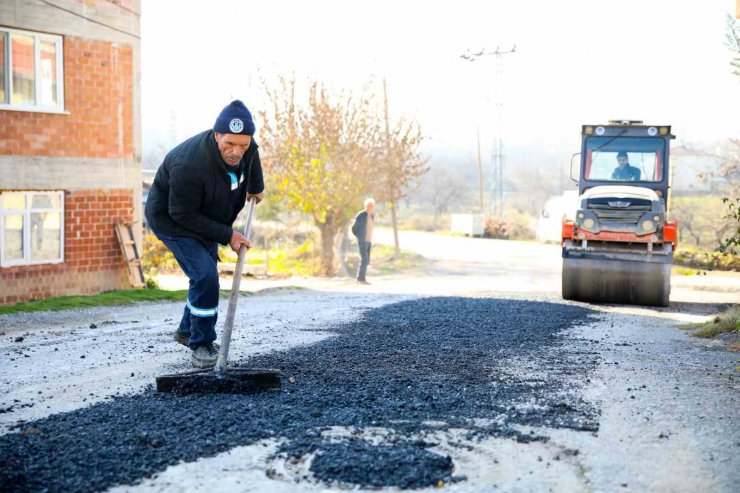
442, 189
685, 212
319, 154
703, 218
733, 43
731, 168
402, 166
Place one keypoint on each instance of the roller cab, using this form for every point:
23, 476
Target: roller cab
619, 247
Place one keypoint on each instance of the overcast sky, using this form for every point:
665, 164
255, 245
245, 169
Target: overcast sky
576, 61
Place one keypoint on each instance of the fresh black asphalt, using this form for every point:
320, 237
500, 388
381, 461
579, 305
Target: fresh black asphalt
443, 360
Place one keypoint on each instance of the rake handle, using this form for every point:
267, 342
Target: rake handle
223, 352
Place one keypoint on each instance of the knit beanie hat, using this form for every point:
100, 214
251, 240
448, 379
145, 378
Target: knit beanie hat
235, 118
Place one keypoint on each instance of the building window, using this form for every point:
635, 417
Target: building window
31, 77
31, 228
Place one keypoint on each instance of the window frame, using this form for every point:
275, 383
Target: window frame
26, 212
38, 37
589, 161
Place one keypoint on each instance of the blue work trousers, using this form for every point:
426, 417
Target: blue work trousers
199, 264
364, 247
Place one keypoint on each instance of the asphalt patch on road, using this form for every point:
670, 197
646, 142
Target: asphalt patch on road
488, 366
357, 462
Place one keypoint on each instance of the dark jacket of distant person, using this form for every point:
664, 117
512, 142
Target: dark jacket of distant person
359, 227
192, 191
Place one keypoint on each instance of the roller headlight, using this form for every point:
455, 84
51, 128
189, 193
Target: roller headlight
588, 223
647, 225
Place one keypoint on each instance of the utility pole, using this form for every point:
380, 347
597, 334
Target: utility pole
391, 184
498, 151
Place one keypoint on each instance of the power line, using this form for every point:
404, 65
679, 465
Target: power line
471, 57
498, 153
89, 19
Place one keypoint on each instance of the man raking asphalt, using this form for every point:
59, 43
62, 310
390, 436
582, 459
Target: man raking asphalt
221, 380
197, 194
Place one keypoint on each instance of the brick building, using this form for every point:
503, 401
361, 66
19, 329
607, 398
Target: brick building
70, 144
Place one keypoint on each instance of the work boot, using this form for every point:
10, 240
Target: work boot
184, 338
181, 338
205, 356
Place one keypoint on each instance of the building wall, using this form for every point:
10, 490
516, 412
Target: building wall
92, 257
92, 151
99, 104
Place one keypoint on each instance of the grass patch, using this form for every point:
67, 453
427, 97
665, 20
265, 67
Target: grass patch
119, 298
276, 289
282, 262
723, 323
687, 271
383, 259
110, 298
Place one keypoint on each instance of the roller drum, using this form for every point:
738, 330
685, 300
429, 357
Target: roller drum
616, 281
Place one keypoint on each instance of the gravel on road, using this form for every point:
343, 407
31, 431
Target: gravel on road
491, 367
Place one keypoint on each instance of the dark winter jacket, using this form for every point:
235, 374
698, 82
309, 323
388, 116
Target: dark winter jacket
628, 173
359, 227
191, 192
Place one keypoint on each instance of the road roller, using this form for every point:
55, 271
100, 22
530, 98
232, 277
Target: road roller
619, 246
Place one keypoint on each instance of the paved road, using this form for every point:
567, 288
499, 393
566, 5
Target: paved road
473, 373
535, 267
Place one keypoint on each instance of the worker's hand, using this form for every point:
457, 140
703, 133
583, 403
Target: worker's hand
257, 197
237, 240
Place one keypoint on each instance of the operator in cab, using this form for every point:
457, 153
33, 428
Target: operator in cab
624, 170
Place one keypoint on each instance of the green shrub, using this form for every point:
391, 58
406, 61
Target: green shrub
156, 257
706, 259
506, 229
295, 260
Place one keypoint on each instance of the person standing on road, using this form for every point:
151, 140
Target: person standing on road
198, 191
362, 228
